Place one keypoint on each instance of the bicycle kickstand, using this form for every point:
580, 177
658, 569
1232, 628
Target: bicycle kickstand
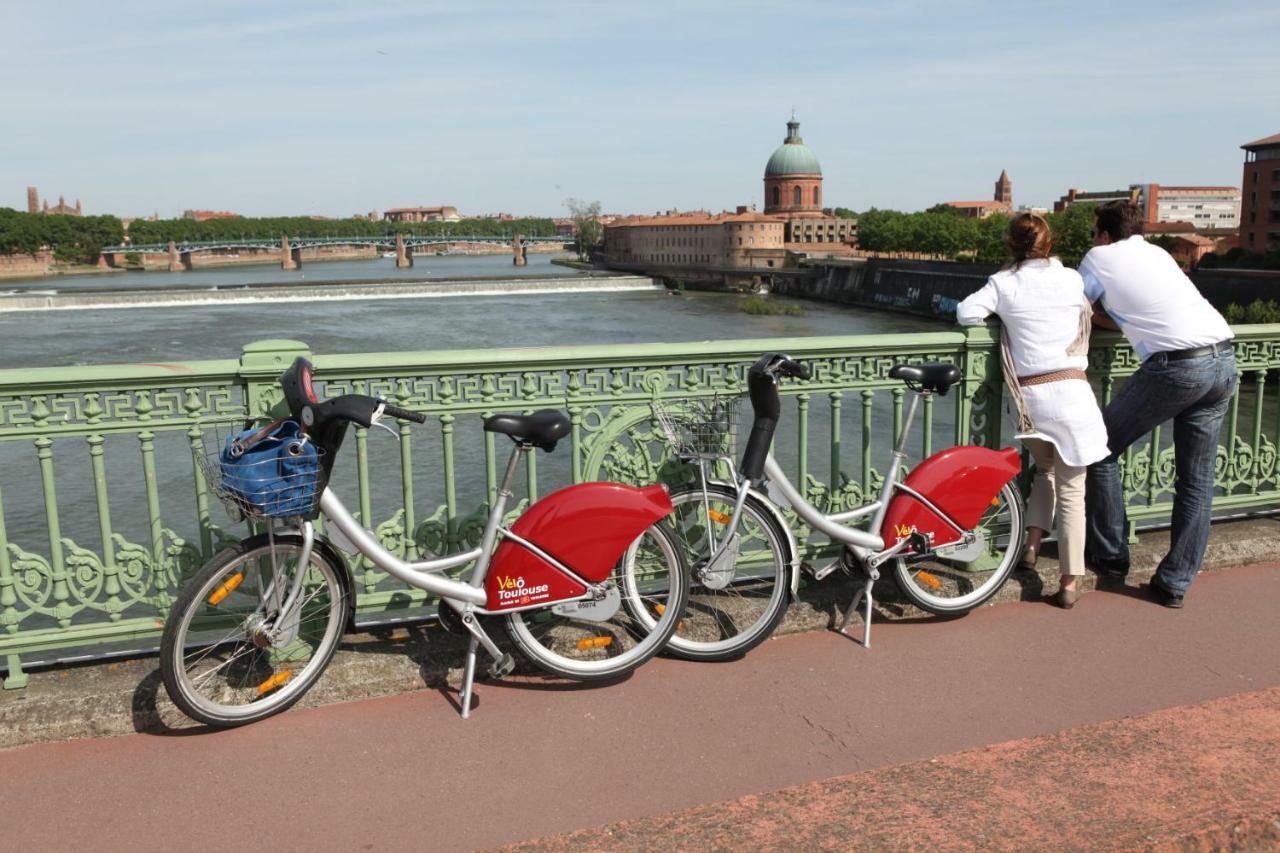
864, 597
503, 664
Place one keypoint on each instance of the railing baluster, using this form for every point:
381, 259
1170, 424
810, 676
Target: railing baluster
1233, 476
867, 396
164, 597
110, 572
926, 444
1153, 471
10, 618
837, 401
802, 440
450, 486
406, 480
898, 394
1256, 473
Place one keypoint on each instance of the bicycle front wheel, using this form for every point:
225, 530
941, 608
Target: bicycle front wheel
607, 640
232, 653
737, 601
954, 585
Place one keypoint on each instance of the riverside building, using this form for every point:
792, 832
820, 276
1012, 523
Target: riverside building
1260, 218
745, 247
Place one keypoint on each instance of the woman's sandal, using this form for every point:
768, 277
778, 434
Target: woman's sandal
1066, 598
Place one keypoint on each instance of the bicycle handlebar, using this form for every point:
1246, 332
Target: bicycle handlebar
403, 414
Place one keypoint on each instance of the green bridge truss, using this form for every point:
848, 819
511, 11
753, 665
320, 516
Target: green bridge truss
103, 513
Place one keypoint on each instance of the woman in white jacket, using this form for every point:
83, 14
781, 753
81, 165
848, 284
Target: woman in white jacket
1044, 343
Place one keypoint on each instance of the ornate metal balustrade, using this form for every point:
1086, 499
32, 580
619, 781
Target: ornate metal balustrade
103, 514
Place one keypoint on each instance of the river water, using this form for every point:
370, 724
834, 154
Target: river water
185, 332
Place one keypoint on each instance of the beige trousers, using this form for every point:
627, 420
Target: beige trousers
1058, 486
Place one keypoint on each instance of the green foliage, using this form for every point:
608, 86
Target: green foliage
844, 213
1259, 311
586, 221
1072, 233
272, 228
943, 230
760, 306
74, 239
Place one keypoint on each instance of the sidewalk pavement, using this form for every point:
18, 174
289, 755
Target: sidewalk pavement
125, 697
1197, 777
539, 758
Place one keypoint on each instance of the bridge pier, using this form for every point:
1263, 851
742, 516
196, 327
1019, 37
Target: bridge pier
404, 254
290, 259
175, 260
518, 249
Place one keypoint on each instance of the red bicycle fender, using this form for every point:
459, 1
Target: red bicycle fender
586, 527
961, 481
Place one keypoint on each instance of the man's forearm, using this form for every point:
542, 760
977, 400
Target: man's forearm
1102, 320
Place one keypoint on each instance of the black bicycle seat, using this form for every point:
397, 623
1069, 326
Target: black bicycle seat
541, 429
937, 378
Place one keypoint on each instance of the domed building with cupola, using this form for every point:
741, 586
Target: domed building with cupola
793, 189
742, 248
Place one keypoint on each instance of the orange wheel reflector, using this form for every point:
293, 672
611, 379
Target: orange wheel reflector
278, 680
595, 643
227, 586
661, 608
719, 517
995, 501
929, 580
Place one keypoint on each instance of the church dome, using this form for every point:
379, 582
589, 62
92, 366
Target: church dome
792, 157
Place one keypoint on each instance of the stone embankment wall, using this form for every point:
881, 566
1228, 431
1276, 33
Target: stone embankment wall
934, 288
23, 265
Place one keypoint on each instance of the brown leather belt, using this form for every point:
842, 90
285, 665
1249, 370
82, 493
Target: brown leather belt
1054, 376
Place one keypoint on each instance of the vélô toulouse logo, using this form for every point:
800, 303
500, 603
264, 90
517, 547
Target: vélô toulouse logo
513, 590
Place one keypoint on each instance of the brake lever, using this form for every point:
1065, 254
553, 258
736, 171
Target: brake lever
376, 420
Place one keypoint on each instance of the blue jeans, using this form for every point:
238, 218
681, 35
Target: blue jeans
1195, 394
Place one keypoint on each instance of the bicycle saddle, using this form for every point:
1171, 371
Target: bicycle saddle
929, 377
541, 429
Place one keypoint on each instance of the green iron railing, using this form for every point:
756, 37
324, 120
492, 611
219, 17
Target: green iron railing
103, 513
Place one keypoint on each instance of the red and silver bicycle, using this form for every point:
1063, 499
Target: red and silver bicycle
952, 530
587, 582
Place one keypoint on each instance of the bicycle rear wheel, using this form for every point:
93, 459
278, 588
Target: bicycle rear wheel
949, 586
608, 641
229, 656
737, 603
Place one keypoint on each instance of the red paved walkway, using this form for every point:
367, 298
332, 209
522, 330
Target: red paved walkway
406, 774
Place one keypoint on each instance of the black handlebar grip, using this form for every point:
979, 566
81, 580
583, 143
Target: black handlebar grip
403, 414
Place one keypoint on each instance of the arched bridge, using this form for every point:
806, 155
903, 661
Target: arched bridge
291, 248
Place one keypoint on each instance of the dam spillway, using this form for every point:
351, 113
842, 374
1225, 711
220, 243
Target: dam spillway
52, 299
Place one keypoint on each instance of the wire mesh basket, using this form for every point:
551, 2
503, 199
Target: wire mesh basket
699, 427
261, 468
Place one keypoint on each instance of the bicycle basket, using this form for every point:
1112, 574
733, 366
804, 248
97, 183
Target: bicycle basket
699, 427
271, 471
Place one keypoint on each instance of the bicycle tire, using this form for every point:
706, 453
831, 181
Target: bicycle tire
973, 587
552, 642
730, 617
261, 700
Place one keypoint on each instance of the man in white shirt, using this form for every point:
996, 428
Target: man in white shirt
1188, 374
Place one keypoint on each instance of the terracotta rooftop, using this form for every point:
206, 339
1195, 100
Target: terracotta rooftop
1258, 143
697, 218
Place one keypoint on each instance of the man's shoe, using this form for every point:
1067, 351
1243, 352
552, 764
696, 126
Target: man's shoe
1163, 596
1109, 579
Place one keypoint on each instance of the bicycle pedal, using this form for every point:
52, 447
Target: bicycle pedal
503, 666
819, 574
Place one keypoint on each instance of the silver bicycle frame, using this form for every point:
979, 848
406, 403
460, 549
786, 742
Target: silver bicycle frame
867, 545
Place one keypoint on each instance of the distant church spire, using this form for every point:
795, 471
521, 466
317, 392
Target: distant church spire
1004, 189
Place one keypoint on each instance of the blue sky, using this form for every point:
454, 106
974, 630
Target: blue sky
332, 108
